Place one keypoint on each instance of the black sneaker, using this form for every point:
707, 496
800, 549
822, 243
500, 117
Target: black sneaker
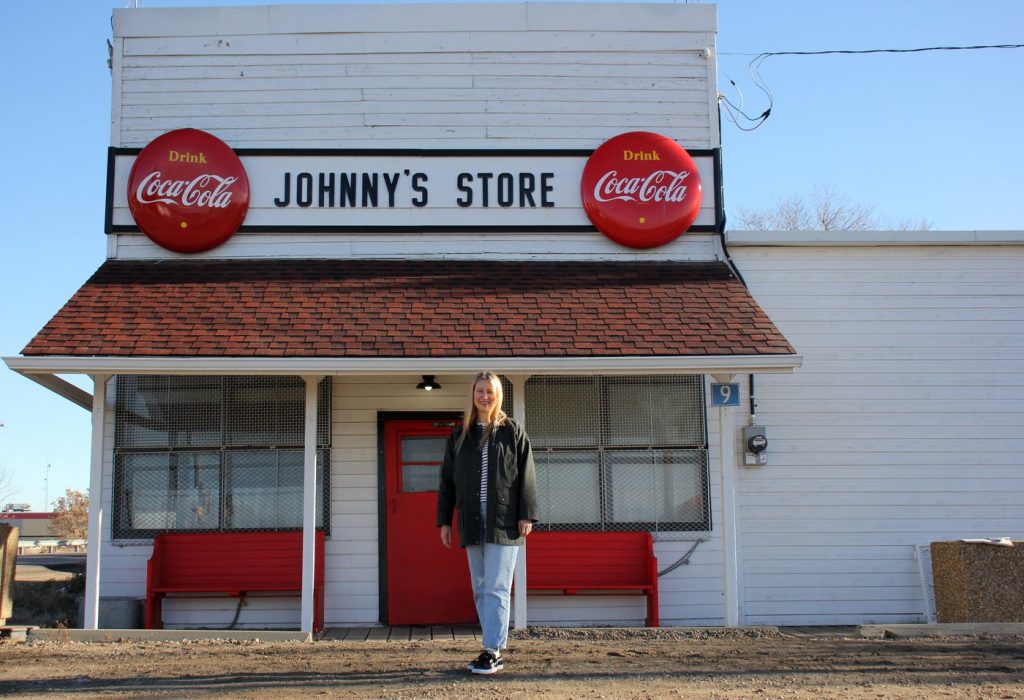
487, 662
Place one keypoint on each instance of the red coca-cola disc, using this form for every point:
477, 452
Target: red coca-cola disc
188, 191
641, 189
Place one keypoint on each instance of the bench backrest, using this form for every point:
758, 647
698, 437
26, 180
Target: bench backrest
589, 559
230, 559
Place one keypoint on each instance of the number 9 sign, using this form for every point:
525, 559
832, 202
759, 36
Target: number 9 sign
725, 394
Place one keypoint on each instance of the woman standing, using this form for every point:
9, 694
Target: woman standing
488, 479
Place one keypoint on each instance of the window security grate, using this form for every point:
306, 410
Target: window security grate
214, 453
620, 453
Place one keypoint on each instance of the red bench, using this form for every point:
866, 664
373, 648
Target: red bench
233, 564
594, 563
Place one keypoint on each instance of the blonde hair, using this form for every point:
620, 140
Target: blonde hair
497, 417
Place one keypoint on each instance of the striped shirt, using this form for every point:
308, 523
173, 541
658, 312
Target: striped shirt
483, 479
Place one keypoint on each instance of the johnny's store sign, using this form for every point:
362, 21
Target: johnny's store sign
189, 192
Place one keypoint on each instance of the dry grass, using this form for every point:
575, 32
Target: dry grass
47, 603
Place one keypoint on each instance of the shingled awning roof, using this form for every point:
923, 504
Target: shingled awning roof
402, 308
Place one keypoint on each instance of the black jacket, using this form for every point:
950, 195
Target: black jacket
511, 485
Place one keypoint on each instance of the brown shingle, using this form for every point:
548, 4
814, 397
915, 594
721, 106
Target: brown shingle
335, 308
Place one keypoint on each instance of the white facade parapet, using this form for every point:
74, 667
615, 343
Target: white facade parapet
871, 238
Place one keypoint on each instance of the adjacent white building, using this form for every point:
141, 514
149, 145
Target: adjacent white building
900, 428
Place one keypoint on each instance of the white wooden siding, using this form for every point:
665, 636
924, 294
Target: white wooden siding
476, 246
515, 75
902, 427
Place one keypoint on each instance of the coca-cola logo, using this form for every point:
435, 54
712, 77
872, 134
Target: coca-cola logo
188, 191
641, 189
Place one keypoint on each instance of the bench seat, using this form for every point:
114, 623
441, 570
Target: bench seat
591, 563
232, 564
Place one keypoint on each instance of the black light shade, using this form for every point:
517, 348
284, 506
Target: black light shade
428, 383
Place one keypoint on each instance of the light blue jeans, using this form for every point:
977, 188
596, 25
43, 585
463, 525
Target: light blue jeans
490, 568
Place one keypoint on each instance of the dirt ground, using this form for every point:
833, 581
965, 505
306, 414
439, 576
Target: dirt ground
540, 663
34, 574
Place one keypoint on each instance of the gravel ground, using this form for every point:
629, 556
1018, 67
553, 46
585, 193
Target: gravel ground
540, 663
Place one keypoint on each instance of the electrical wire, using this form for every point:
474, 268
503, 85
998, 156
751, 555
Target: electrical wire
866, 51
735, 112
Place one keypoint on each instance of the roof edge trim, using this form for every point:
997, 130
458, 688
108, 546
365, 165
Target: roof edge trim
61, 387
66, 364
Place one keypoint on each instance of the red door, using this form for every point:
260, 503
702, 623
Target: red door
426, 583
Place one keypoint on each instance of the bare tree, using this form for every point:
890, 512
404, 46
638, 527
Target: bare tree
71, 515
7, 488
822, 210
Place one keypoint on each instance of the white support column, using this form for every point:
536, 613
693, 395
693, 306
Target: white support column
730, 525
519, 413
309, 504
96, 521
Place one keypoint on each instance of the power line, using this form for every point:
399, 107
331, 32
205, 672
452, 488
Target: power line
866, 51
734, 112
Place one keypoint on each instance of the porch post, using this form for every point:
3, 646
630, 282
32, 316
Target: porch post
730, 536
309, 504
94, 542
519, 413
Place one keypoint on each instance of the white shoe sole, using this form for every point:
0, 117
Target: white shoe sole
487, 670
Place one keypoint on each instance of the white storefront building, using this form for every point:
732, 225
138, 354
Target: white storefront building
268, 383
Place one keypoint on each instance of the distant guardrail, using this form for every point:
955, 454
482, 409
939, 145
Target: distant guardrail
50, 546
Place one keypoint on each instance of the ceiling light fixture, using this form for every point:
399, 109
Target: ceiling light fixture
428, 383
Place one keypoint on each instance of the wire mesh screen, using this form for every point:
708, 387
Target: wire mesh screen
506, 389
620, 453
215, 453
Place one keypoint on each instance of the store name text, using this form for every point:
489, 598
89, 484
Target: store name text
381, 189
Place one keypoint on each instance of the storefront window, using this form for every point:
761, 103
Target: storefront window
620, 453
214, 453
165, 490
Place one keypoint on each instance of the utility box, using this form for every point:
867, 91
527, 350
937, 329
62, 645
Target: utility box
8, 565
755, 444
977, 582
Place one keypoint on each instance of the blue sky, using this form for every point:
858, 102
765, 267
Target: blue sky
929, 135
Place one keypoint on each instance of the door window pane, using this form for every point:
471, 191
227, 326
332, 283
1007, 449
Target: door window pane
422, 457
423, 449
417, 478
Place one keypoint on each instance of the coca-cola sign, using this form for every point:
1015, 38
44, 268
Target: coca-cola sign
641, 189
188, 191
